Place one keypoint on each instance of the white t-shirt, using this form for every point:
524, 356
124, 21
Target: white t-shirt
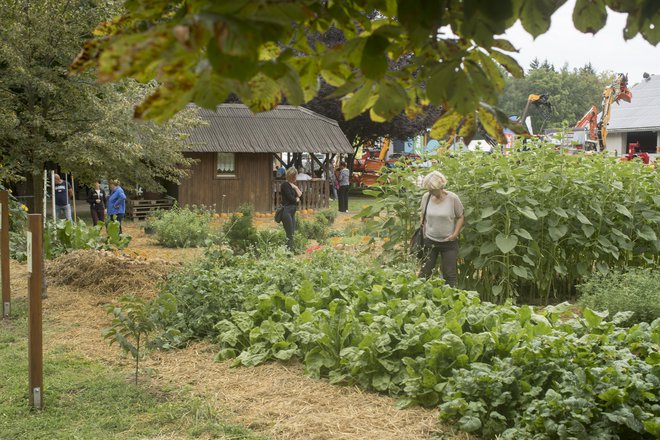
441, 216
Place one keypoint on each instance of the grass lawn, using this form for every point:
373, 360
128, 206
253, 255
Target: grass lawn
89, 400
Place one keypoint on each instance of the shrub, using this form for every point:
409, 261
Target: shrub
637, 290
239, 230
319, 228
327, 215
182, 227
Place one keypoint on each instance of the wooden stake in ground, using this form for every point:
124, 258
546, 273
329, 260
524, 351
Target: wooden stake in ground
4, 253
35, 336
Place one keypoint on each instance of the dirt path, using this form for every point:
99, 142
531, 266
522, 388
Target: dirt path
276, 399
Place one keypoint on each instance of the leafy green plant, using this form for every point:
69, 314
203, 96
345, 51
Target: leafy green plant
313, 229
537, 221
65, 236
637, 290
182, 227
502, 370
134, 320
239, 230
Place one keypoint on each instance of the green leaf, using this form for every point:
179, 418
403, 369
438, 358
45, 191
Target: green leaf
581, 217
445, 125
557, 233
623, 210
589, 15
439, 83
374, 57
488, 211
521, 272
510, 64
469, 423
356, 103
527, 212
593, 318
290, 84
523, 233
491, 124
306, 292
210, 90
560, 212
535, 15
506, 243
588, 230
647, 233
392, 99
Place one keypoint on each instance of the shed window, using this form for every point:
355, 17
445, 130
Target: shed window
226, 165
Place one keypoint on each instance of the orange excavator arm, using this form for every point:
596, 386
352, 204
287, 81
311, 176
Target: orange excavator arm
384, 149
591, 119
617, 91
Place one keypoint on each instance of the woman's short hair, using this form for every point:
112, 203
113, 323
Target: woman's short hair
115, 182
291, 172
434, 180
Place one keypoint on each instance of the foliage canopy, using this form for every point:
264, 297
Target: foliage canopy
85, 127
203, 50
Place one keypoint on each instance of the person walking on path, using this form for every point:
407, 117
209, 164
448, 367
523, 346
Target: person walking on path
291, 195
62, 193
443, 223
96, 199
116, 203
344, 185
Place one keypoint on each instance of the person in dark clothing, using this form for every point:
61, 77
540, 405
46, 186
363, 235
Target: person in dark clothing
290, 197
96, 200
63, 193
344, 185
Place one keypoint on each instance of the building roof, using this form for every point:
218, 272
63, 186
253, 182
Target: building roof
642, 113
233, 128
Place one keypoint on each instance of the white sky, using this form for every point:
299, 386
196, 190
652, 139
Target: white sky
607, 50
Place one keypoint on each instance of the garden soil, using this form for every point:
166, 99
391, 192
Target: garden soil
277, 400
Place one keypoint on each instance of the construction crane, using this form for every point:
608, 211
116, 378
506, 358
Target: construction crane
615, 92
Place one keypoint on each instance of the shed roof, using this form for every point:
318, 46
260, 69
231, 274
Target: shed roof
642, 113
233, 128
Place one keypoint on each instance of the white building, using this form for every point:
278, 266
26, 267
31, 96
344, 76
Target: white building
638, 120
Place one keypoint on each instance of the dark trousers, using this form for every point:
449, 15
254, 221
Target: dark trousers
289, 223
448, 252
343, 198
97, 213
117, 218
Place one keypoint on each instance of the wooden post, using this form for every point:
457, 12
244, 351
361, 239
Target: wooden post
35, 344
4, 253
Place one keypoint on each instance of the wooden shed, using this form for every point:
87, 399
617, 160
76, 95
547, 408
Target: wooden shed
236, 151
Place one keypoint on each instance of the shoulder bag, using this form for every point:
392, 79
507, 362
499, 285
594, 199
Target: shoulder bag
417, 240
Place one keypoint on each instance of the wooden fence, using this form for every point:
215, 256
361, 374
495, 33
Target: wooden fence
316, 194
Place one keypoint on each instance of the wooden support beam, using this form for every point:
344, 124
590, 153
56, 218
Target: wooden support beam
4, 253
35, 331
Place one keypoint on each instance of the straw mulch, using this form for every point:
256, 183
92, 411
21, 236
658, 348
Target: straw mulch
280, 401
108, 273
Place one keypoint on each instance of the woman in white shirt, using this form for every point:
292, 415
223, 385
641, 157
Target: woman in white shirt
442, 225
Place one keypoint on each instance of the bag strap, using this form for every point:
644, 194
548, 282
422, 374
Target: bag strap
425, 208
